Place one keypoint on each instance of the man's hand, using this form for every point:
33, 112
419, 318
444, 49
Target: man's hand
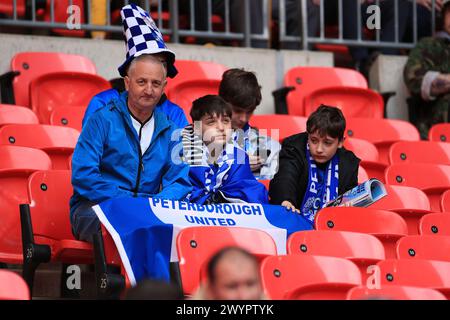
255, 163
288, 205
440, 85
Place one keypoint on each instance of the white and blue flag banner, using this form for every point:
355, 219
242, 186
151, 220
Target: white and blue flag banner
145, 229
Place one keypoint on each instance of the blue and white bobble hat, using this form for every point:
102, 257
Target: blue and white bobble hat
142, 36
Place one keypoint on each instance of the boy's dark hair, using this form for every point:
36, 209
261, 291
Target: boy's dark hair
214, 261
241, 89
327, 120
210, 105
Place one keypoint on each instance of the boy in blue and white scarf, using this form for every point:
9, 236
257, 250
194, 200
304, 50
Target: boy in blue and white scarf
219, 171
314, 166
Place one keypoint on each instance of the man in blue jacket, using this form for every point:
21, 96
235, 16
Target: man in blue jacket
126, 147
159, 50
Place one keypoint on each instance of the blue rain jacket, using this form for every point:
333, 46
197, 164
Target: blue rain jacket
107, 161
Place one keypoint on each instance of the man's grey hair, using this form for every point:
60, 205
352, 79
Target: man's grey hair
147, 58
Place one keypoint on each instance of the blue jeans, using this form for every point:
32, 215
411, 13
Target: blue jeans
85, 222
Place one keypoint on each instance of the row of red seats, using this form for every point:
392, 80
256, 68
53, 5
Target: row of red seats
34, 220
432, 179
60, 13
380, 132
50, 224
319, 277
332, 261
56, 85
77, 80
57, 142
281, 126
14, 287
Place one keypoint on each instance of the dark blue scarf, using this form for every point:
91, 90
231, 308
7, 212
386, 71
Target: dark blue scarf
319, 191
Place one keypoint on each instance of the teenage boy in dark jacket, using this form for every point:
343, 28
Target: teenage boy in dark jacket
314, 167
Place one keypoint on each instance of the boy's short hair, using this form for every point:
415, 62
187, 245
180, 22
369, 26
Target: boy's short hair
327, 120
222, 253
210, 105
241, 89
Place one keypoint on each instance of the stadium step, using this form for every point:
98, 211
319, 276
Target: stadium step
47, 283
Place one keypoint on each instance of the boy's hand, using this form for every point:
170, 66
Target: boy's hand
288, 205
255, 162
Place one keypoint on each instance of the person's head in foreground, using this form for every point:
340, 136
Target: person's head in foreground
233, 274
145, 83
242, 91
325, 128
211, 116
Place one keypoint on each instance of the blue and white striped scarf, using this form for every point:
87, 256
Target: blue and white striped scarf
319, 193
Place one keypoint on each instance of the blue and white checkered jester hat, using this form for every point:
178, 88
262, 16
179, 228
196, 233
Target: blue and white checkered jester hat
142, 36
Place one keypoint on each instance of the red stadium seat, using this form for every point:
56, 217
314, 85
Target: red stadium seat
7, 8
61, 14
382, 133
353, 102
58, 142
420, 152
185, 93
71, 117
308, 277
110, 274
403, 199
16, 164
10, 114
445, 201
266, 183
374, 169
362, 175
363, 149
435, 224
418, 273
197, 244
308, 79
278, 126
13, 286
362, 249
387, 226
410, 203
69, 162
432, 179
46, 229
64, 89
30, 65
439, 132
394, 293
424, 247
369, 156
194, 80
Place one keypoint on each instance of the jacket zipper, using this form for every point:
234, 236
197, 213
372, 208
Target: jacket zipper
141, 166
